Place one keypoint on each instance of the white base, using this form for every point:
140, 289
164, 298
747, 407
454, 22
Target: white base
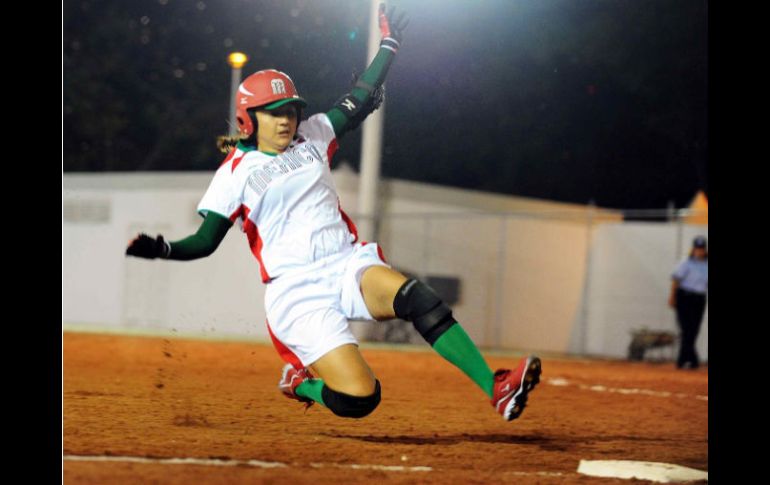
645, 470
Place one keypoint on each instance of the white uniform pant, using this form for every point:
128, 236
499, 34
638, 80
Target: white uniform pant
308, 311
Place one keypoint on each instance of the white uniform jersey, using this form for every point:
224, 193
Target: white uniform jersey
286, 204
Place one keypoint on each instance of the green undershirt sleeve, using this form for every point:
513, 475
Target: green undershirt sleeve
374, 76
204, 242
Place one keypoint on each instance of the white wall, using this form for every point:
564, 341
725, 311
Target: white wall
630, 282
522, 263
101, 287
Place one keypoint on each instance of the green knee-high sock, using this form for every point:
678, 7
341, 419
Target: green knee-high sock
457, 347
311, 389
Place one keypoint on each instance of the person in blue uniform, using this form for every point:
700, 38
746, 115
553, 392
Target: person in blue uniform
689, 287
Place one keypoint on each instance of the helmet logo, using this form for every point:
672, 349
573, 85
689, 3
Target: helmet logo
278, 86
243, 90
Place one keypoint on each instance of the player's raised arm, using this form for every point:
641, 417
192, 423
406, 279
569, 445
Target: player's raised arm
199, 245
367, 93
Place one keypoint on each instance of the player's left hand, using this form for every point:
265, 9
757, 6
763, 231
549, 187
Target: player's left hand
390, 26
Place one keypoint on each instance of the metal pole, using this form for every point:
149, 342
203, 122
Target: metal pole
583, 344
234, 83
501, 248
371, 146
236, 60
426, 245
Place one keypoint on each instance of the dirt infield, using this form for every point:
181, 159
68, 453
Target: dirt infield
127, 398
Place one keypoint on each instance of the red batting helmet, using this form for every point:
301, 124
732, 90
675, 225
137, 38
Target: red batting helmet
267, 89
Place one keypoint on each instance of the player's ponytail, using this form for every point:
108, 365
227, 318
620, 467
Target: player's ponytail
226, 143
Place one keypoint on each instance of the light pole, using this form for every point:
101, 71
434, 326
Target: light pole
236, 61
371, 146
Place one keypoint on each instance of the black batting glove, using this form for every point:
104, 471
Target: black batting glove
355, 111
392, 28
144, 246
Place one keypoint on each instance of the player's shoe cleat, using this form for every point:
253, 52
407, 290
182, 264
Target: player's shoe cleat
290, 379
512, 386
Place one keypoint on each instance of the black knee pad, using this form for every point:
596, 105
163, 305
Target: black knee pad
416, 302
348, 406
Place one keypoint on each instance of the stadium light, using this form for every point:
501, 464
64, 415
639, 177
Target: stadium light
237, 60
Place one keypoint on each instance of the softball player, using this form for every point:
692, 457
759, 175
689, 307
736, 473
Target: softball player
276, 184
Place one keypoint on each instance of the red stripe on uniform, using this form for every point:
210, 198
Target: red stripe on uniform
255, 242
286, 354
235, 215
381, 254
237, 161
333, 146
229, 156
351, 226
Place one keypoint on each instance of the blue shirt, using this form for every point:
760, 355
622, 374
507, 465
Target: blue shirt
693, 275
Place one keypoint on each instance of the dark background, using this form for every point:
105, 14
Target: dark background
569, 100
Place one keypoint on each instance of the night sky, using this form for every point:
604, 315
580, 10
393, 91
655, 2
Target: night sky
569, 100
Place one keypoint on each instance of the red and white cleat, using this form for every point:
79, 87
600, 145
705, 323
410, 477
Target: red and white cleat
511, 387
290, 379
